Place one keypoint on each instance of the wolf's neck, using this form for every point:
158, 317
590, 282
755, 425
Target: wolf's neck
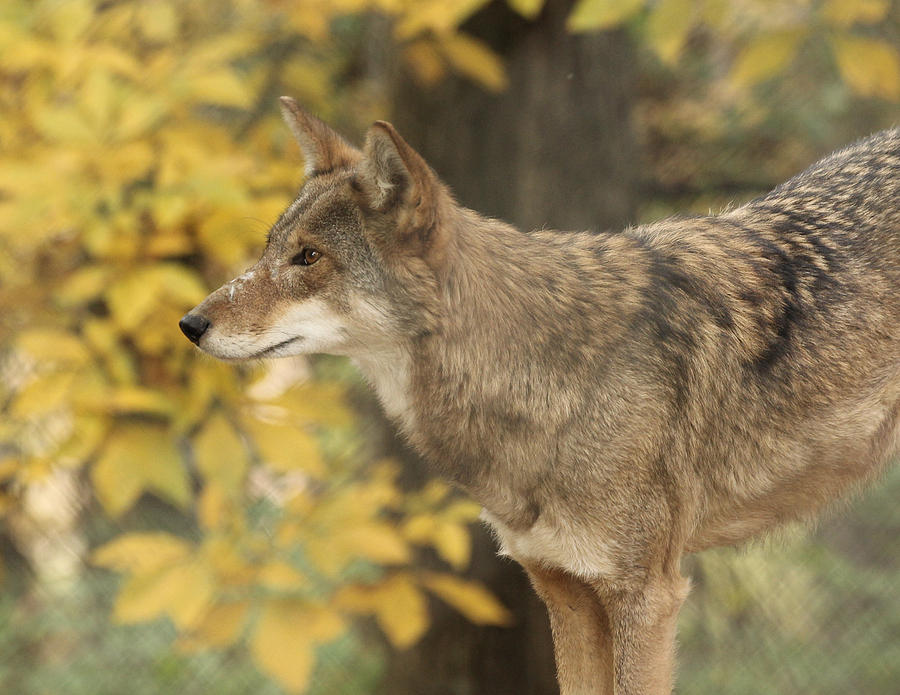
521, 322
388, 373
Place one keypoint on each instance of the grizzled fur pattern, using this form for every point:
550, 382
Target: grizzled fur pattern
614, 400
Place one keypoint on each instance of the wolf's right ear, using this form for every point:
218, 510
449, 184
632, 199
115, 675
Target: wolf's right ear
323, 149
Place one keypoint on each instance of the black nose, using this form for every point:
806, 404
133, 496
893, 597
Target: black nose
193, 326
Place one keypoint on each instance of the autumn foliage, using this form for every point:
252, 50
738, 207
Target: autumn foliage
141, 165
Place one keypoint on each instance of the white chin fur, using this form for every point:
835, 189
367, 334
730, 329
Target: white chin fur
305, 328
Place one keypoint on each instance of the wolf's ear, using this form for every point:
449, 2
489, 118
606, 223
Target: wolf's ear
323, 149
392, 175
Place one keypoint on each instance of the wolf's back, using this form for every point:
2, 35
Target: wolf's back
852, 196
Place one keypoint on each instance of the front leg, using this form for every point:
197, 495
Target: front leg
642, 623
581, 636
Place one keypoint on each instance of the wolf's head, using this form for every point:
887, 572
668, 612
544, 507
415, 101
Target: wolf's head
349, 267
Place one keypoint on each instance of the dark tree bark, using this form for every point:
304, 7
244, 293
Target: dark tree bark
554, 150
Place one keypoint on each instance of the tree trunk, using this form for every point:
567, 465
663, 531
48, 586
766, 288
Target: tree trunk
554, 150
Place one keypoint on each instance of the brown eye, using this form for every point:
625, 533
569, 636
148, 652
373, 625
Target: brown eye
307, 256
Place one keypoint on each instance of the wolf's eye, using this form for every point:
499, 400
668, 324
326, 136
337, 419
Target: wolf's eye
307, 256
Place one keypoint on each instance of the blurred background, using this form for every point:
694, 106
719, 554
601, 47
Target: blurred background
169, 524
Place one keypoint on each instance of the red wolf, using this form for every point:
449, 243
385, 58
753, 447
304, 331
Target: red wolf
614, 400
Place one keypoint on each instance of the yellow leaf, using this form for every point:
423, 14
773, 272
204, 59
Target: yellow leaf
286, 448
103, 337
871, 67
425, 61
222, 624
220, 86
434, 492
397, 604
182, 591
436, 16
221, 49
222, 235
450, 540
53, 346
846, 13
196, 592
82, 286
157, 21
285, 636
281, 576
474, 59
212, 505
98, 99
401, 611
64, 125
376, 540
126, 161
138, 115
593, 15
136, 295
316, 403
128, 400
117, 487
180, 283
141, 553
138, 458
461, 510
453, 544
209, 380
715, 14
309, 20
132, 298
117, 60
527, 8
227, 560
8, 467
420, 528
220, 454
668, 27
169, 243
469, 598
69, 19
44, 395
88, 432
764, 56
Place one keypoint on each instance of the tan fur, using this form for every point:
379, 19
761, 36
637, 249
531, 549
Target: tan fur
614, 400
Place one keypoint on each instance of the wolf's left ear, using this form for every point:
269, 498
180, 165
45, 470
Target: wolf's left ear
323, 149
393, 176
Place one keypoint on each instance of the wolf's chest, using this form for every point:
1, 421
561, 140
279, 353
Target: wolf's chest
555, 543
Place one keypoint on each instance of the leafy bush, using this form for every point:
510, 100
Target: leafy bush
140, 140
